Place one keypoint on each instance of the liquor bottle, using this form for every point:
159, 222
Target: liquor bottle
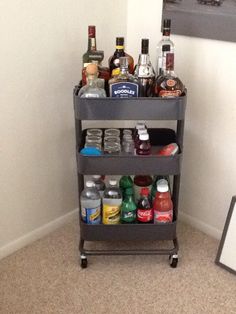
92, 55
92, 89
163, 47
114, 60
169, 85
128, 207
144, 71
125, 84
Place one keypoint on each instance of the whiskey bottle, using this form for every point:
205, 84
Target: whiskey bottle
169, 85
144, 71
92, 89
123, 85
114, 62
163, 47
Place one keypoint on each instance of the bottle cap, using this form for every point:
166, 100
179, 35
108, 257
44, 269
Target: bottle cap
91, 31
166, 23
120, 41
144, 137
124, 62
92, 69
129, 191
162, 186
145, 45
113, 182
142, 131
90, 184
140, 126
96, 176
144, 191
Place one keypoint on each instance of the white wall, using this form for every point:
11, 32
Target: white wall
42, 43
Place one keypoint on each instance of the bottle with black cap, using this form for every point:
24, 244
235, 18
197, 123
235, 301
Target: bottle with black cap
144, 71
164, 46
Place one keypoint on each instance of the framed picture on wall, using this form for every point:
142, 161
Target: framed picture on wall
226, 255
213, 19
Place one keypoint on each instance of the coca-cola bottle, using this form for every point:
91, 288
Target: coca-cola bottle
144, 207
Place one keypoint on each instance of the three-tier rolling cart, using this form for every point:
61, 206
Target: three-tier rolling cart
153, 108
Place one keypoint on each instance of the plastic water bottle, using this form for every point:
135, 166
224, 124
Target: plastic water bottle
112, 200
99, 183
90, 201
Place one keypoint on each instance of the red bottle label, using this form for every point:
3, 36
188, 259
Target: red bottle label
163, 217
144, 215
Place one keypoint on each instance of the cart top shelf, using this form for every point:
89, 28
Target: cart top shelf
151, 108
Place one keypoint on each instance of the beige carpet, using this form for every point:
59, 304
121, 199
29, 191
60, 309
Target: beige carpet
45, 277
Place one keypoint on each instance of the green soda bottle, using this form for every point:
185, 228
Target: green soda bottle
128, 207
126, 182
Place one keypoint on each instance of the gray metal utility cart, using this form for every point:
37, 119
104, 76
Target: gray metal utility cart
131, 109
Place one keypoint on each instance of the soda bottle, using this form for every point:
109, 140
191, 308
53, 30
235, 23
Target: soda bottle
162, 205
125, 183
99, 183
128, 207
112, 199
144, 208
90, 202
141, 181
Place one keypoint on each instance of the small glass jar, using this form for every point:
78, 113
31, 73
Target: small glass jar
92, 144
110, 139
112, 132
112, 148
93, 139
94, 132
127, 132
128, 146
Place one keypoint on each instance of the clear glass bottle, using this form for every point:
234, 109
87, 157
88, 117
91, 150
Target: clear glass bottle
164, 46
91, 89
123, 85
144, 71
169, 85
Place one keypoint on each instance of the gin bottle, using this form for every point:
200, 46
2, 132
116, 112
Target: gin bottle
92, 89
123, 85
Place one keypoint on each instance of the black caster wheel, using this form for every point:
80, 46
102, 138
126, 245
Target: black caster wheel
173, 259
83, 261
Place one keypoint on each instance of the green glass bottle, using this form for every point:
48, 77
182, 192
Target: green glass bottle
126, 182
128, 207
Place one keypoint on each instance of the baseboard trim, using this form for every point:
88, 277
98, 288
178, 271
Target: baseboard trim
37, 233
200, 225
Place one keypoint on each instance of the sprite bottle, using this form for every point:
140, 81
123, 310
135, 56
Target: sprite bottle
128, 207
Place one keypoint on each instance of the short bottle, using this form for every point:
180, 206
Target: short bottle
123, 85
90, 202
144, 207
164, 46
144, 71
91, 89
137, 138
162, 205
112, 200
128, 207
169, 85
114, 60
99, 184
143, 146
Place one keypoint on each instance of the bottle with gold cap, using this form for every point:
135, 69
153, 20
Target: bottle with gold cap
92, 89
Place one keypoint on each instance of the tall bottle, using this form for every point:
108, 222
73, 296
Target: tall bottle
144, 71
164, 46
99, 184
169, 85
114, 60
124, 85
90, 202
112, 200
162, 205
91, 89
